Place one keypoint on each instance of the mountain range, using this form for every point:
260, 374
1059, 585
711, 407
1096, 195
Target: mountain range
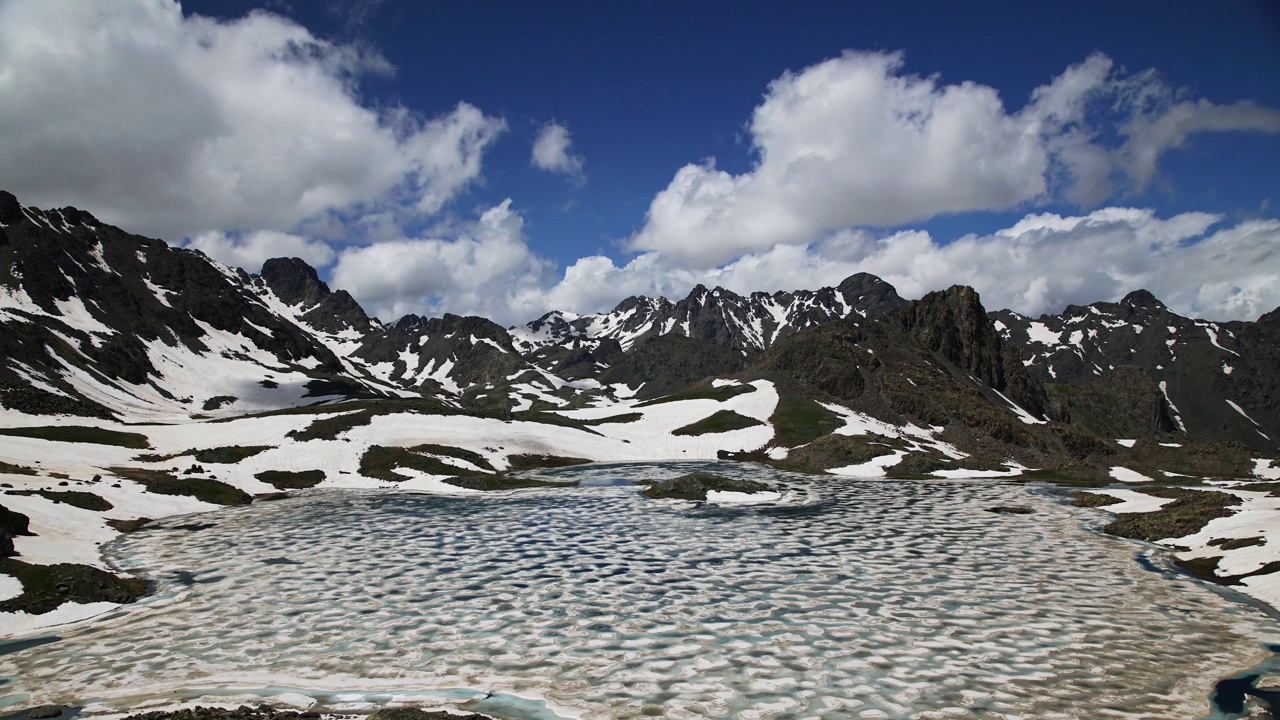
105, 324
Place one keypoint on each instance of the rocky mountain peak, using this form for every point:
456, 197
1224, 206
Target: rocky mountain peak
1142, 299
954, 324
294, 281
1271, 320
870, 294
297, 283
10, 208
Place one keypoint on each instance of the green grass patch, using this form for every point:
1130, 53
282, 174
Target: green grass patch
291, 480
230, 454
382, 462
330, 427
470, 456
81, 434
164, 483
720, 421
533, 461
798, 420
1237, 543
719, 394
1189, 512
1069, 474
695, 486
918, 464
45, 587
832, 451
1093, 500
1271, 488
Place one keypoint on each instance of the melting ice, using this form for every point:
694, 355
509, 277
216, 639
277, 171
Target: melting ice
851, 599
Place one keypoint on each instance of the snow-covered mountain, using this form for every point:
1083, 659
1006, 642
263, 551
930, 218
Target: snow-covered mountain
717, 316
98, 322
1219, 380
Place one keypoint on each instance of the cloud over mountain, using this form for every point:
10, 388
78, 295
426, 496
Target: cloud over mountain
855, 141
254, 137
176, 125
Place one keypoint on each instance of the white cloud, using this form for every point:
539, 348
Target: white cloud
1152, 131
175, 125
551, 152
853, 141
250, 250
484, 269
1040, 264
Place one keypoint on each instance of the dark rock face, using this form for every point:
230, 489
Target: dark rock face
297, 283
663, 364
954, 325
1197, 367
10, 208
1120, 403
294, 281
14, 523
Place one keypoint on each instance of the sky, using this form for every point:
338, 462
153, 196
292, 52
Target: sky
506, 158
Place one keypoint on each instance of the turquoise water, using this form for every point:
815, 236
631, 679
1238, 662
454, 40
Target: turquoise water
850, 599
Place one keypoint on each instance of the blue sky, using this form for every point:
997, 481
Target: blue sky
644, 90
646, 87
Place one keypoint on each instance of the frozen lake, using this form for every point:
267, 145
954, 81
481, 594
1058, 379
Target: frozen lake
852, 599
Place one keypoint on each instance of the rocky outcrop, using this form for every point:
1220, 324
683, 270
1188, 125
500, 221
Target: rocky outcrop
696, 486
1218, 379
297, 283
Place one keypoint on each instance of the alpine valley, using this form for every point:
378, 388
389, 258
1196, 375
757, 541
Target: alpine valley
141, 381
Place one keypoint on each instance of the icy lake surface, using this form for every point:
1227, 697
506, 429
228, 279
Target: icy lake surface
851, 599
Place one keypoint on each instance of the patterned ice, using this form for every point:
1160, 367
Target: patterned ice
856, 599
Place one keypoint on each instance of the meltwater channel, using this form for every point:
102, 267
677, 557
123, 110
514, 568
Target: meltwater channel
849, 599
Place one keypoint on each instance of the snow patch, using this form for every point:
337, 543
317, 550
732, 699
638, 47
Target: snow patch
1038, 332
1177, 417
1124, 474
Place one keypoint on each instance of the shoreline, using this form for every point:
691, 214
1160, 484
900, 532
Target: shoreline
68, 532
1247, 657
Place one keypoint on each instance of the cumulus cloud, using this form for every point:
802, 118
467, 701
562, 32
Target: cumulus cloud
485, 268
1041, 263
551, 152
249, 250
855, 141
175, 125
